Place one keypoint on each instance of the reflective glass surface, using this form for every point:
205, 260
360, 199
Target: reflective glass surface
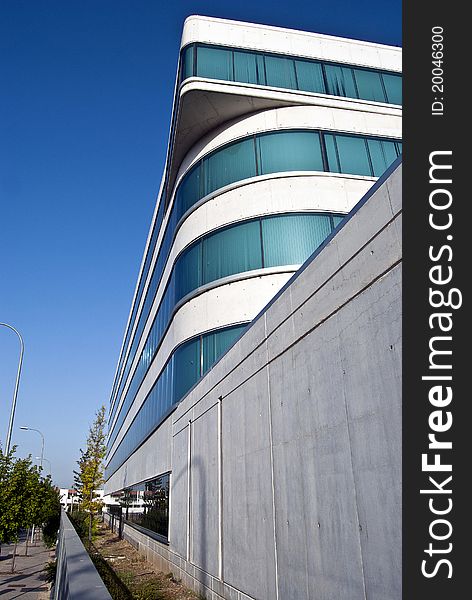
260, 68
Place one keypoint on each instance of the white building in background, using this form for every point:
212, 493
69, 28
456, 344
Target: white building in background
275, 136
69, 498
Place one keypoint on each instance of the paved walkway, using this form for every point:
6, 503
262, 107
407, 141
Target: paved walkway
27, 582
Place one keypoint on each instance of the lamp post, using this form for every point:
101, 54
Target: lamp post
41, 458
25, 428
17, 383
42, 443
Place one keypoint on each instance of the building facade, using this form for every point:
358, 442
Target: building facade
275, 136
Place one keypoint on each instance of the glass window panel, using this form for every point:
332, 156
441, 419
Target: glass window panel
215, 344
245, 67
168, 385
382, 155
290, 240
186, 367
187, 62
332, 153
310, 76
230, 164
189, 191
290, 151
337, 219
214, 63
187, 271
170, 296
147, 505
280, 72
393, 87
352, 154
163, 400
390, 151
369, 85
340, 81
261, 72
233, 250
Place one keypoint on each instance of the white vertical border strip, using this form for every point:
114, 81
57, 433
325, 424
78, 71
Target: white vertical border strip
189, 484
220, 488
271, 444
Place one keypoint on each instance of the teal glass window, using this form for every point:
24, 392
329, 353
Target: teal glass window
166, 387
186, 367
351, 154
291, 239
310, 76
233, 64
340, 81
280, 72
185, 361
232, 163
369, 85
214, 63
187, 62
393, 87
337, 219
382, 155
249, 68
289, 151
189, 191
332, 153
232, 250
187, 271
216, 343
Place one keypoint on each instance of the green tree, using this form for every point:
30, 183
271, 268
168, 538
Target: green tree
9, 504
89, 477
26, 499
50, 511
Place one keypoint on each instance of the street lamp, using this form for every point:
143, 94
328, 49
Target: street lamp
42, 438
17, 383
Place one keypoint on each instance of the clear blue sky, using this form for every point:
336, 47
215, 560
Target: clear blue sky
85, 103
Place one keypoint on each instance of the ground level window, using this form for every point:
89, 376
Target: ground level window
147, 505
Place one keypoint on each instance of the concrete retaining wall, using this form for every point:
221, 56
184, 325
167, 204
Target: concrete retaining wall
286, 456
76, 578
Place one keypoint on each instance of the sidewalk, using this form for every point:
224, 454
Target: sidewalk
27, 582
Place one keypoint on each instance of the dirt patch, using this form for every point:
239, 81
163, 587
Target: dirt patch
137, 574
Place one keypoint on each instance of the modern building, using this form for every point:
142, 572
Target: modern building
275, 136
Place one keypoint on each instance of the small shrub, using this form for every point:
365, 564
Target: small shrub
80, 519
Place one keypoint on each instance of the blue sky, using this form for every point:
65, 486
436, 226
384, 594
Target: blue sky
85, 104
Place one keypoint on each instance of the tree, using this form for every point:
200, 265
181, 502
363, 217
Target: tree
9, 499
89, 477
51, 512
26, 499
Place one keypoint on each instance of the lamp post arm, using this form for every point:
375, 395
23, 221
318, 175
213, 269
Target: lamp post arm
17, 384
41, 458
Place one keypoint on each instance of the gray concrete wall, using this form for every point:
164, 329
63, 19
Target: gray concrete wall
291, 488
76, 578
